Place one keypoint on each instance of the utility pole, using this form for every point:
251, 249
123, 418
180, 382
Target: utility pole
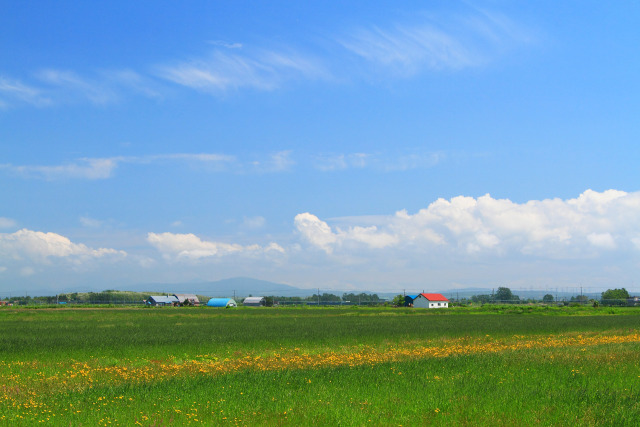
318, 297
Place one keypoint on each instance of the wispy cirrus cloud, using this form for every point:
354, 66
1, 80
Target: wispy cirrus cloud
381, 162
50, 87
427, 42
85, 168
106, 87
275, 162
226, 69
104, 168
14, 92
435, 42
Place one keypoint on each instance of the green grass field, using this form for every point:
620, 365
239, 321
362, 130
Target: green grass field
320, 366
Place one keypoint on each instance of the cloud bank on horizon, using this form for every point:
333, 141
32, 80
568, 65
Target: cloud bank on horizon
491, 232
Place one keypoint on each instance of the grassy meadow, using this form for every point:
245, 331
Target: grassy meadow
320, 366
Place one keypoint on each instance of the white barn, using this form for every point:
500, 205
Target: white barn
193, 299
254, 302
430, 301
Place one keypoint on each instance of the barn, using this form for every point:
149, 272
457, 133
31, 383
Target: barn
430, 301
221, 302
193, 299
160, 300
254, 302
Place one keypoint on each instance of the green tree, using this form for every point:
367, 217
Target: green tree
481, 299
505, 295
615, 296
547, 298
398, 300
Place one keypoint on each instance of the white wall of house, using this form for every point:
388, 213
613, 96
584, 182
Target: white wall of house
422, 302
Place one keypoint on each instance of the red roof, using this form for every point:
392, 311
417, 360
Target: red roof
435, 297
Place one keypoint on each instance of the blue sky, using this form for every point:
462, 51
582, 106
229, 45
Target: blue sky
419, 145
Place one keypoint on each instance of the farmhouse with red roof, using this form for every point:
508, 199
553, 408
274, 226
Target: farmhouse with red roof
430, 301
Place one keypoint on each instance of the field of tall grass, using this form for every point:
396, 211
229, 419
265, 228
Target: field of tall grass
322, 366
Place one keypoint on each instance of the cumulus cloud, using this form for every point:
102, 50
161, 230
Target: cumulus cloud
552, 228
191, 247
40, 246
320, 234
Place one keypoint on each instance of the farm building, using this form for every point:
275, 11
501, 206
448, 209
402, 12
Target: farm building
159, 300
408, 300
193, 299
221, 302
254, 302
430, 301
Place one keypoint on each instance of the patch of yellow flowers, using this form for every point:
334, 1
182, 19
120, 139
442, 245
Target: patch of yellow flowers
21, 382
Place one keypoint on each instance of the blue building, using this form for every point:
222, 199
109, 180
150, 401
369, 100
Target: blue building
160, 300
408, 300
221, 302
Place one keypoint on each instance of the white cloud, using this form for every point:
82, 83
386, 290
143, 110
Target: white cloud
602, 240
408, 49
74, 86
103, 168
19, 92
191, 247
381, 162
553, 228
81, 169
320, 234
223, 43
276, 162
436, 42
224, 70
334, 162
40, 246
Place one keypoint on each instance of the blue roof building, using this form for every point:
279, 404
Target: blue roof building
222, 302
159, 300
408, 300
